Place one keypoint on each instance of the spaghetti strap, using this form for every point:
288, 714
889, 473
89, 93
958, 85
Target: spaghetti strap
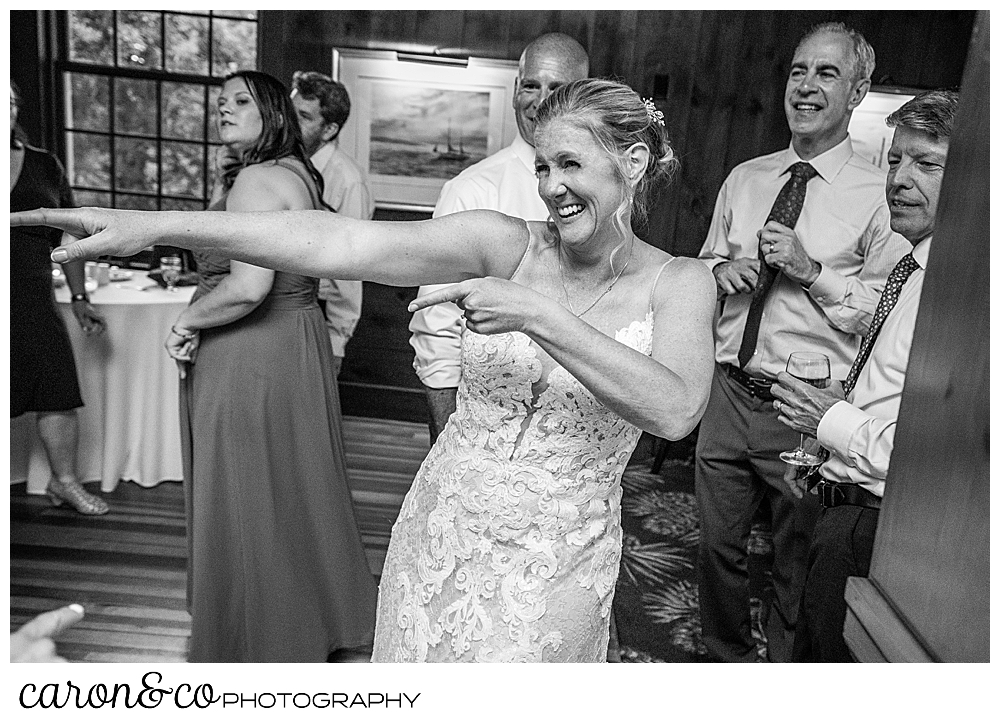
524, 255
296, 167
659, 273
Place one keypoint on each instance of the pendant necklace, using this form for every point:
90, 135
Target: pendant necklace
600, 296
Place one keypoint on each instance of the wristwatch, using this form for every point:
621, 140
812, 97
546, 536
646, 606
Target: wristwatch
80, 297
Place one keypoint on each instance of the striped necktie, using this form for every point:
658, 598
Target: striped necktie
786, 209
890, 295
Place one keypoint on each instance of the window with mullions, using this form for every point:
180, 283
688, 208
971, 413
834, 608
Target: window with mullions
139, 89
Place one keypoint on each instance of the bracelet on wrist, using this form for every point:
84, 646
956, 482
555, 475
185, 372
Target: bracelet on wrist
80, 297
187, 334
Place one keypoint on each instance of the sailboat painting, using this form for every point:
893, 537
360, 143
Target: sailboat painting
426, 132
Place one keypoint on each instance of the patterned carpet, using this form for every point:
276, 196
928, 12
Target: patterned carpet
656, 601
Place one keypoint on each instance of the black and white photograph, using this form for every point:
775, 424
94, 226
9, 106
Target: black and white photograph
365, 336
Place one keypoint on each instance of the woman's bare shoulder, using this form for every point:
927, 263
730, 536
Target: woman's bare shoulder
678, 276
687, 284
270, 172
269, 177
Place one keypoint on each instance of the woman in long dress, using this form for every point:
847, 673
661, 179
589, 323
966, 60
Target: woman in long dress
579, 336
277, 571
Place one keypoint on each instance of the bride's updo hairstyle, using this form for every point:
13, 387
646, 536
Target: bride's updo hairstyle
618, 119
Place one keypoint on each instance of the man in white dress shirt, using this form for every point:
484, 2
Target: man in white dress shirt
323, 105
858, 431
829, 265
503, 182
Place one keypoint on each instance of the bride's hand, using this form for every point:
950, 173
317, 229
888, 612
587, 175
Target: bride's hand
92, 232
491, 305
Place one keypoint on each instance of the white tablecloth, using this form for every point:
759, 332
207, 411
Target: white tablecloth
129, 426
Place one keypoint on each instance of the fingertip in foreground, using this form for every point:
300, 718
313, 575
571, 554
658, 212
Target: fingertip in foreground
435, 297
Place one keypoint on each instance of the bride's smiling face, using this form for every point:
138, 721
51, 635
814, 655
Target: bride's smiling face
578, 181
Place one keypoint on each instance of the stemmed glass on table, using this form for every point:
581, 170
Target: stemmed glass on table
170, 270
812, 368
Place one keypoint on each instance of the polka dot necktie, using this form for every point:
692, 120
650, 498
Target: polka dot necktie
890, 295
786, 209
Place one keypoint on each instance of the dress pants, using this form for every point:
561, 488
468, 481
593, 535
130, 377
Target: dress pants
841, 548
737, 470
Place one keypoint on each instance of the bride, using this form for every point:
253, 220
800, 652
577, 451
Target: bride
579, 336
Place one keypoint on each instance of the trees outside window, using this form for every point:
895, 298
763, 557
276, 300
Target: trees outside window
138, 91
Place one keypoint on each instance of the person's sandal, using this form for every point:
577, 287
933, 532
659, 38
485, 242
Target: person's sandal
76, 497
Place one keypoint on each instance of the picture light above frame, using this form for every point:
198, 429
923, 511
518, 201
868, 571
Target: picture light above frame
417, 121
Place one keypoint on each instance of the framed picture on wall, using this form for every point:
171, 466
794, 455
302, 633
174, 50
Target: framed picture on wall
417, 121
870, 136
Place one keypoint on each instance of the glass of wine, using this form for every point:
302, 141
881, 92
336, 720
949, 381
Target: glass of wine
170, 269
812, 368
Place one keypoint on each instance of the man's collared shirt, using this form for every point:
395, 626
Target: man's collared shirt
345, 189
844, 225
860, 431
503, 182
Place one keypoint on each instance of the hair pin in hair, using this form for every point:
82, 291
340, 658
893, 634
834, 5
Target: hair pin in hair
655, 116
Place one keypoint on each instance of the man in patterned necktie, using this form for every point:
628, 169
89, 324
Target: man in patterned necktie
800, 246
859, 430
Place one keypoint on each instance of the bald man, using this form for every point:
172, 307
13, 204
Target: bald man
503, 182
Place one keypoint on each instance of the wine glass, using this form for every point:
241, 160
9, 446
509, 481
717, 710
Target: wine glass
812, 368
170, 269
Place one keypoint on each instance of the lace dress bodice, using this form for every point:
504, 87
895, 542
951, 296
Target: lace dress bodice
508, 543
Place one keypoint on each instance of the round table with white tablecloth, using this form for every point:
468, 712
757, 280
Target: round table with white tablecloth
129, 426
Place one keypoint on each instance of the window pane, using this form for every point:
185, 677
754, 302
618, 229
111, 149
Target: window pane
135, 106
248, 14
143, 139
90, 36
187, 44
87, 107
136, 165
183, 111
89, 160
183, 169
234, 46
139, 39
137, 203
179, 204
92, 198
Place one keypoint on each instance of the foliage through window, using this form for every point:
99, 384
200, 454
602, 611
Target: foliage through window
139, 89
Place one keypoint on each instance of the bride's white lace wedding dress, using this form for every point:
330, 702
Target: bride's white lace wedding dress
507, 545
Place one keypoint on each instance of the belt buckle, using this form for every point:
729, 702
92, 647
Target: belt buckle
830, 495
759, 387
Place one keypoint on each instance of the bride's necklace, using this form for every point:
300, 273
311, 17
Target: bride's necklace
614, 280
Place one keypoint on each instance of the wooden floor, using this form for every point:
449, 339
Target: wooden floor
127, 568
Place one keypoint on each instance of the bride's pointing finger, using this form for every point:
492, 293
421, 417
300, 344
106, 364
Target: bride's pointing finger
452, 293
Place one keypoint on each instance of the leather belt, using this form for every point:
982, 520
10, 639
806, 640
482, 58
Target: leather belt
755, 387
832, 494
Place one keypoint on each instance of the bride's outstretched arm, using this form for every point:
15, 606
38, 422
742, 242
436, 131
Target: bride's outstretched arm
313, 243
